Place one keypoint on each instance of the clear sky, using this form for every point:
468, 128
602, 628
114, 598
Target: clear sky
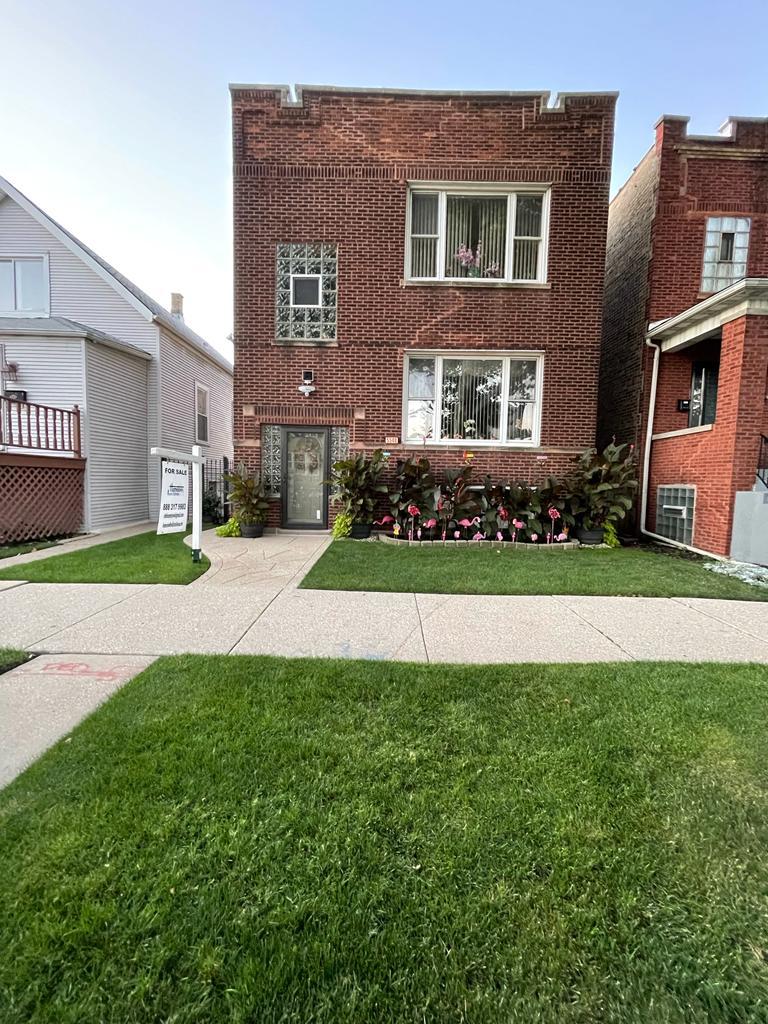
114, 117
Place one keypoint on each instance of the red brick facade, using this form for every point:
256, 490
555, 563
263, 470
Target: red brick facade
656, 237
335, 167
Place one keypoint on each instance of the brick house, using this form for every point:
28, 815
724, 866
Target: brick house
417, 271
685, 335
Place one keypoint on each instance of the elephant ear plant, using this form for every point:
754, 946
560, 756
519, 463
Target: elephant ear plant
357, 486
249, 500
602, 490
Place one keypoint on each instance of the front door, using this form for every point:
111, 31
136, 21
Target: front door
305, 471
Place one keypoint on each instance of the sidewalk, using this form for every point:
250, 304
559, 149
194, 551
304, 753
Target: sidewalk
249, 603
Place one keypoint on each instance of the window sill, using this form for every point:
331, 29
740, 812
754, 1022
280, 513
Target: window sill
682, 433
469, 445
305, 343
476, 283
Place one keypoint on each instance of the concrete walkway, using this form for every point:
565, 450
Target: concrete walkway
249, 603
45, 699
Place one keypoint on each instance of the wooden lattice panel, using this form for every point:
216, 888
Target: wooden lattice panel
40, 497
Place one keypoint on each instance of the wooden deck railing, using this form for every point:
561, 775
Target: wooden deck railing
39, 428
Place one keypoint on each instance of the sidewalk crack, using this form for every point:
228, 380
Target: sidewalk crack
591, 625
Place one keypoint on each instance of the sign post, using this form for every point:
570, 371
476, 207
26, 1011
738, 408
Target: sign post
174, 498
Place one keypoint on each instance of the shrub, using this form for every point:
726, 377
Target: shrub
358, 485
248, 495
415, 485
342, 526
211, 504
229, 529
602, 488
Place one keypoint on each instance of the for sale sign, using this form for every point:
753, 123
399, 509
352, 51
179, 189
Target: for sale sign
174, 496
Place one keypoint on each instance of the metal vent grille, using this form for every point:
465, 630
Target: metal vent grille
675, 507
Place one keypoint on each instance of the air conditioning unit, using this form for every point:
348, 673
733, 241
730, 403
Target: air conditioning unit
17, 394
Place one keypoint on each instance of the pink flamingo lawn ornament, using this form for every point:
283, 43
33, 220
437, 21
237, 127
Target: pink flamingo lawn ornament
466, 523
430, 524
413, 512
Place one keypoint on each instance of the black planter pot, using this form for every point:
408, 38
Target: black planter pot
360, 531
590, 536
251, 529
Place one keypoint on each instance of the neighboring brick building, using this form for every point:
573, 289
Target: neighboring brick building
350, 207
687, 268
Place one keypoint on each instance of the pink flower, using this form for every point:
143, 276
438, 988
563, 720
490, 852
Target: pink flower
518, 524
413, 510
553, 514
534, 537
503, 513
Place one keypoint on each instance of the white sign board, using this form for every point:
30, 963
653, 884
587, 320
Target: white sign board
174, 497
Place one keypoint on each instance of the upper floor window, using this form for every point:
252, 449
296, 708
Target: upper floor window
725, 252
473, 398
477, 232
201, 413
23, 285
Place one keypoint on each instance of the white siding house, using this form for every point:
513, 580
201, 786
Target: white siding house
79, 333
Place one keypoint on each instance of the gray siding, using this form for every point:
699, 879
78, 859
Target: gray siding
181, 367
116, 437
50, 369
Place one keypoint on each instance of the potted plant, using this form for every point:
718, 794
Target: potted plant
602, 490
249, 501
358, 487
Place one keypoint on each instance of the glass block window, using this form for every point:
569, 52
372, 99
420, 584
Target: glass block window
272, 454
725, 252
675, 506
306, 297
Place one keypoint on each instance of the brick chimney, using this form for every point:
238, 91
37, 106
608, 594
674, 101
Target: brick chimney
177, 305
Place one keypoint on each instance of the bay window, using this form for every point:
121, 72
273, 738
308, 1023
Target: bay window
477, 233
472, 398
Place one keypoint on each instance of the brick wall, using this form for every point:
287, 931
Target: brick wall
335, 169
720, 461
627, 270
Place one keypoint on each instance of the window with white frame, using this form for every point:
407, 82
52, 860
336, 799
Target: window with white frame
23, 285
725, 252
201, 413
473, 233
472, 398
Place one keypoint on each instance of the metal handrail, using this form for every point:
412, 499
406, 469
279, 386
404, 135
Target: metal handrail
41, 428
762, 460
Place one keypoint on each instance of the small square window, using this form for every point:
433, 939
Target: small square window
306, 289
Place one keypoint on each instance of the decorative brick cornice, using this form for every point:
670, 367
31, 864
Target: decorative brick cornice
302, 412
680, 207
422, 172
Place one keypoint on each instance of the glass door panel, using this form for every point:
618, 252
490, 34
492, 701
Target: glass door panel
304, 473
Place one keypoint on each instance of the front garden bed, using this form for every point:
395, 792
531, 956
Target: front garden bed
477, 545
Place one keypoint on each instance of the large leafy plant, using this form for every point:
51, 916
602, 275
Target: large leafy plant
358, 485
415, 487
509, 504
602, 488
248, 495
456, 503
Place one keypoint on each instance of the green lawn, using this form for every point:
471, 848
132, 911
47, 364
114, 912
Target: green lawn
10, 657
641, 572
10, 550
144, 558
255, 839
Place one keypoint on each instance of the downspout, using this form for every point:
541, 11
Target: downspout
647, 465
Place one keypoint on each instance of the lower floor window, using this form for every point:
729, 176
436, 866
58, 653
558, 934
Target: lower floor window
462, 399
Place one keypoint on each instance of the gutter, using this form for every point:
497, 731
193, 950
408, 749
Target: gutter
647, 464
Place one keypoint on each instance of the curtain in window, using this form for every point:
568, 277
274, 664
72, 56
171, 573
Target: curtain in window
421, 398
522, 398
471, 399
474, 221
423, 234
527, 237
